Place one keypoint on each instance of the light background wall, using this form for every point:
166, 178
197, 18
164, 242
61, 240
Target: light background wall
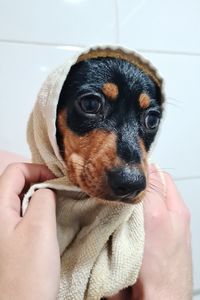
36, 36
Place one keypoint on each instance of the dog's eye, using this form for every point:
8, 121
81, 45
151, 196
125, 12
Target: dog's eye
90, 104
152, 120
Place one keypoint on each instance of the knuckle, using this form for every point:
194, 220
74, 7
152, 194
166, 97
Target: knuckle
14, 166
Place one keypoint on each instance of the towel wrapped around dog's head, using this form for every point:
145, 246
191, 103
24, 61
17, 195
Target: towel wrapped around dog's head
101, 238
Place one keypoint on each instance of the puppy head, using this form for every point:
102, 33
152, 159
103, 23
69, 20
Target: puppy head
108, 115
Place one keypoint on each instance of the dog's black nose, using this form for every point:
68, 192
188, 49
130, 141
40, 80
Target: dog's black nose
126, 181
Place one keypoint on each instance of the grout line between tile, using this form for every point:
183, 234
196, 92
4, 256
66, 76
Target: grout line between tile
171, 52
186, 178
79, 46
34, 43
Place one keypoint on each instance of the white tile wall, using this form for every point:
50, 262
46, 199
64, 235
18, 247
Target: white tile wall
23, 68
179, 131
58, 21
32, 34
160, 25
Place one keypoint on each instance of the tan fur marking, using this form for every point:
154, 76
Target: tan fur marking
144, 101
88, 157
110, 90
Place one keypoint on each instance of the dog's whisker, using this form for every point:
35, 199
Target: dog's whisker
157, 181
173, 104
156, 189
78, 164
149, 191
174, 99
160, 170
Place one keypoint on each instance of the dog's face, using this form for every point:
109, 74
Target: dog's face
107, 117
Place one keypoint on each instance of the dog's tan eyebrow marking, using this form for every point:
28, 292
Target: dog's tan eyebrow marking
144, 101
110, 90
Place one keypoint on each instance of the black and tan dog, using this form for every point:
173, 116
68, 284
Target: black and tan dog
108, 115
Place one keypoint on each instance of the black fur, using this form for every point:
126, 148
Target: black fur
123, 116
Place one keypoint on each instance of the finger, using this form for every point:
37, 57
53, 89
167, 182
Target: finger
154, 200
42, 210
174, 200
15, 177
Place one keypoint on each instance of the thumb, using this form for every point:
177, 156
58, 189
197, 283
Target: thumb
42, 209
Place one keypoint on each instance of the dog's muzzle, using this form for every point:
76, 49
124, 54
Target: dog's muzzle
126, 183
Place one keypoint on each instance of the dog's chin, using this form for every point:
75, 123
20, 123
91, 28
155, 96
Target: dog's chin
131, 199
110, 197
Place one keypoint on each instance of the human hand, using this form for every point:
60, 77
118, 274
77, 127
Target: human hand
166, 271
29, 253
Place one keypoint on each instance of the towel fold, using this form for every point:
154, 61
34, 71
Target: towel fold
101, 242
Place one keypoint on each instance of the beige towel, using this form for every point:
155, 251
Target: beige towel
101, 242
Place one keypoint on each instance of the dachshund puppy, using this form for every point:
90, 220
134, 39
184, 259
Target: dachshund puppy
108, 115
